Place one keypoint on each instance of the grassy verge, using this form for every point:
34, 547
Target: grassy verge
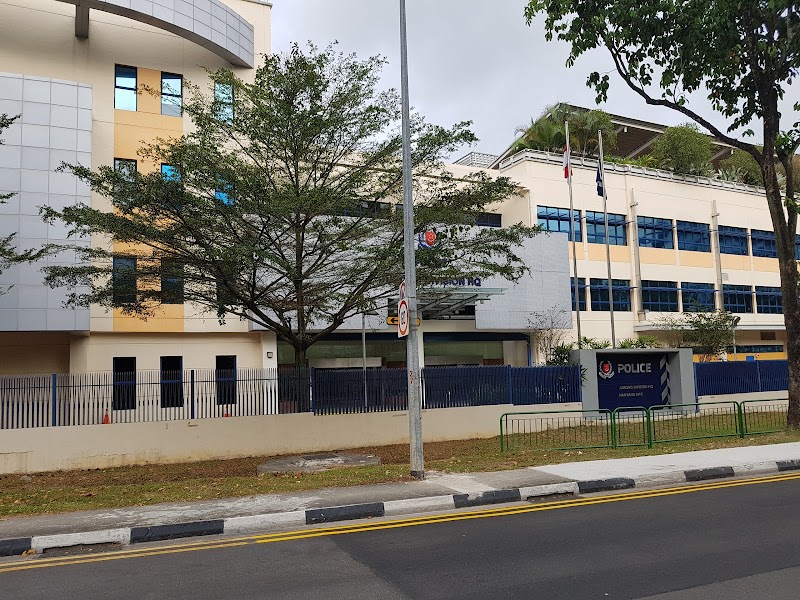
65, 491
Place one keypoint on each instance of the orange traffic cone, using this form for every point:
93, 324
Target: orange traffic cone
106, 418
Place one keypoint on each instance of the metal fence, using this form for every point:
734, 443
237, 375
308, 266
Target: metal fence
639, 426
741, 377
145, 396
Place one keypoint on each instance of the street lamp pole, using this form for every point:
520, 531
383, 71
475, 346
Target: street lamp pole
410, 266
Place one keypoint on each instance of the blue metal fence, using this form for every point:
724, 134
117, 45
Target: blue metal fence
144, 396
741, 377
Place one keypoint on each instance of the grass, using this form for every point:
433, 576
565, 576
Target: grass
65, 491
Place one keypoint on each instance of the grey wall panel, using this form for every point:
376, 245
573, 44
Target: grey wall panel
544, 288
208, 23
32, 149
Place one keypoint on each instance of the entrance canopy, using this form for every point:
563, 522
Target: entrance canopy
452, 302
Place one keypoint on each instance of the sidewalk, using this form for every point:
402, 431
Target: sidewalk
440, 491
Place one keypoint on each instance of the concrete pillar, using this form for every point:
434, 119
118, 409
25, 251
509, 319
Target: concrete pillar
269, 350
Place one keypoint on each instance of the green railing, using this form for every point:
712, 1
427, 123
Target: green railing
763, 416
639, 426
556, 430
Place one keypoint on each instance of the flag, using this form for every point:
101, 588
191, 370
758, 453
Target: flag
599, 180
567, 168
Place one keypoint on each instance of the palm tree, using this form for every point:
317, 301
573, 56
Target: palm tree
547, 132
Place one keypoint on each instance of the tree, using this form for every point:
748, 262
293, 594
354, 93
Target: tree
547, 132
641, 341
278, 207
745, 166
547, 330
744, 55
9, 255
683, 149
708, 334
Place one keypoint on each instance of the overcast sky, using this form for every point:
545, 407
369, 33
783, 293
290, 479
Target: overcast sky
468, 60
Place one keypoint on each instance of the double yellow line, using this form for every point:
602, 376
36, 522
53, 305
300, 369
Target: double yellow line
41, 563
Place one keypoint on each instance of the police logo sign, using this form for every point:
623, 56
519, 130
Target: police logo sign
606, 369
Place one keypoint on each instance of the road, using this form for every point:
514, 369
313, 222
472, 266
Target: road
724, 541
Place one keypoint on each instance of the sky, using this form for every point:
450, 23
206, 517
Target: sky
473, 60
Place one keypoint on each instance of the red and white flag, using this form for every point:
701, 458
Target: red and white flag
567, 167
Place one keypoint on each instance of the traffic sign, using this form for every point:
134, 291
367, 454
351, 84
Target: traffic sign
395, 321
403, 290
402, 318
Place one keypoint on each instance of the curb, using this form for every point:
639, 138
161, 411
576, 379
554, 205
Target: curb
312, 516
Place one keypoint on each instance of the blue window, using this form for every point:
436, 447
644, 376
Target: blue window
170, 173
224, 192
581, 293
763, 243
693, 236
756, 349
124, 280
697, 297
171, 94
737, 298
797, 247
123, 393
655, 233
557, 219
596, 232
487, 219
621, 289
125, 88
223, 96
769, 300
171, 381
733, 240
660, 296
171, 282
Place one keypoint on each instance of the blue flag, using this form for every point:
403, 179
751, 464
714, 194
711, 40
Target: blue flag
599, 180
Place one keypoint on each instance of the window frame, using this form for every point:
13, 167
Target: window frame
732, 293
666, 292
175, 105
557, 215
582, 287
172, 282
487, 219
123, 390
120, 280
648, 228
693, 236
123, 88
620, 289
733, 240
617, 228
764, 295
171, 381
697, 288
224, 99
767, 246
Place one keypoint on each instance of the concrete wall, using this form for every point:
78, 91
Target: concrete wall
101, 446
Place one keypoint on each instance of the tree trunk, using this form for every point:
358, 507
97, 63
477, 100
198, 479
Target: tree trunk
791, 318
300, 357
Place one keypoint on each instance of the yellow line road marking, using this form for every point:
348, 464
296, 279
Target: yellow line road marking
40, 563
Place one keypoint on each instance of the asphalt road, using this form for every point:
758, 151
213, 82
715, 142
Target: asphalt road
727, 542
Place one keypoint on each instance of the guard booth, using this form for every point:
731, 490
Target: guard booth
638, 378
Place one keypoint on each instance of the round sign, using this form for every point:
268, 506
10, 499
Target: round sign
402, 318
430, 237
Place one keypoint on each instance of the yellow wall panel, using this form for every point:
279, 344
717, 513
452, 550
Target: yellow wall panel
656, 256
618, 253
695, 259
733, 262
769, 265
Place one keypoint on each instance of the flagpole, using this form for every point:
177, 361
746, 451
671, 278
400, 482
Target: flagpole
608, 246
568, 172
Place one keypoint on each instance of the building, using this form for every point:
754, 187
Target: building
71, 70
676, 243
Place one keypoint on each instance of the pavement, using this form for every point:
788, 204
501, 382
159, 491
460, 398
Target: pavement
438, 492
